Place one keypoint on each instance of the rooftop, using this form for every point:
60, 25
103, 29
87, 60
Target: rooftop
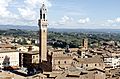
95, 59
7, 50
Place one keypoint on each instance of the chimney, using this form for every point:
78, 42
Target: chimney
30, 49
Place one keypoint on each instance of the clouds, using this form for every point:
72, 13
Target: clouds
37, 3
65, 20
83, 21
86, 23
30, 9
116, 20
27, 12
4, 12
113, 22
6, 16
70, 22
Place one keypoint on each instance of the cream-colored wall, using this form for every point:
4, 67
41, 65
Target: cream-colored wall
56, 65
43, 42
35, 58
28, 42
43, 45
35, 48
62, 61
90, 65
14, 58
25, 49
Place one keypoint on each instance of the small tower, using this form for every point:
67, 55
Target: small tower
85, 44
67, 49
43, 33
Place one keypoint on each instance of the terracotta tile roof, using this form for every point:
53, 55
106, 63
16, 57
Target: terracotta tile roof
5, 46
90, 60
96, 69
7, 50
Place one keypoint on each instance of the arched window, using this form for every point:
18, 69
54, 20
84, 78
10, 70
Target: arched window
44, 16
95, 64
86, 65
58, 62
43, 30
40, 15
65, 62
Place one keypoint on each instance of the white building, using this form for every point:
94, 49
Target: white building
9, 58
112, 61
26, 47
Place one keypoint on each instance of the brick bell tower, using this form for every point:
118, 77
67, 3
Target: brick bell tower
45, 60
43, 33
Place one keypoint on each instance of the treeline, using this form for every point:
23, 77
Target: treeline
18, 32
62, 39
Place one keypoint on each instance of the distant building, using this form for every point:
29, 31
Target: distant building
6, 46
25, 48
28, 41
82, 53
113, 61
61, 61
85, 44
22, 48
74, 73
88, 63
30, 58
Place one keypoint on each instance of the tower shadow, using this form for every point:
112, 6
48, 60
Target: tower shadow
6, 62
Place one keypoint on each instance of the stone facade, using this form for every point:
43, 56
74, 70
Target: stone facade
61, 62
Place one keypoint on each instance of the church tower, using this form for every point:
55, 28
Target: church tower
85, 44
43, 33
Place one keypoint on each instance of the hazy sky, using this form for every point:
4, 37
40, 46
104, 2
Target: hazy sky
63, 13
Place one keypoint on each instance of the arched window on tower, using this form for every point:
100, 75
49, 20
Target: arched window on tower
43, 16
40, 14
43, 30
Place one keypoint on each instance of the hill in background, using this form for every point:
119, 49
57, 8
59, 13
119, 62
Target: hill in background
36, 28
